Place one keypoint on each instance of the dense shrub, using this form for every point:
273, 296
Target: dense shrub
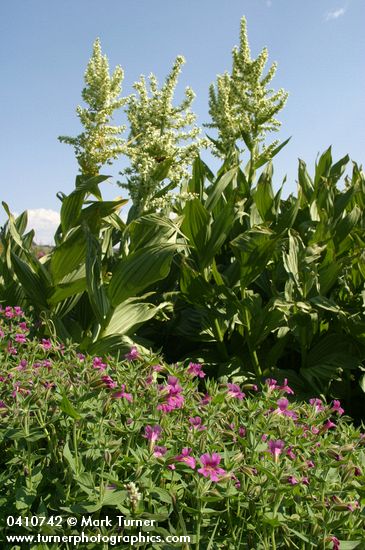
234, 466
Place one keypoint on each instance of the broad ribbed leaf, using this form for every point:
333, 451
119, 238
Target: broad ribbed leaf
254, 250
63, 291
305, 183
323, 167
129, 315
196, 225
264, 195
31, 282
99, 209
151, 230
216, 190
139, 270
69, 254
220, 230
70, 210
96, 291
332, 352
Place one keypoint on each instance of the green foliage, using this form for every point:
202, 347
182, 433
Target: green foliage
76, 440
229, 273
83, 287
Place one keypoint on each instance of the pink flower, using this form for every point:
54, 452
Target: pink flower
46, 343
336, 543
336, 407
2, 333
152, 433
20, 338
132, 354
210, 466
317, 403
305, 481
109, 382
283, 409
23, 326
122, 394
357, 471
173, 387
242, 431
290, 453
264, 437
158, 451
293, 480
352, 506
98, 363
271, 383
157, 368
195, 369
285, 388
328, 425
186, 457
235, 391
310, 463
80, 356
206, 400
196, 424
22, 365
18, 311
173, 399
276, 447
9, 312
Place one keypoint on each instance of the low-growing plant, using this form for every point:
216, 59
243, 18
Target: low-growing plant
232, 466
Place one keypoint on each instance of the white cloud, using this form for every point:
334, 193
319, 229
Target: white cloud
44, 222
269, 3
335, 14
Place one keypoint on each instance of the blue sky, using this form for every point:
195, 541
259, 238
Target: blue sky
319, 46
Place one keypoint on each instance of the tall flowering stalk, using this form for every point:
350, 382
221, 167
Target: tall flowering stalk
163, 139
100, 141
241, 105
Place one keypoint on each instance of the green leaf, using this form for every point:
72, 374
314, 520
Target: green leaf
254, 250
93, 214
70, 210
305, 182
266, 158
339, 168
264, 195
362, 383
215, 192
219, 233
31, 282
151, 230
128, 315
140, 270
96, 291
70, 459
90, 184
196, 225
323, 167
69, 254
65, 290
68, 408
